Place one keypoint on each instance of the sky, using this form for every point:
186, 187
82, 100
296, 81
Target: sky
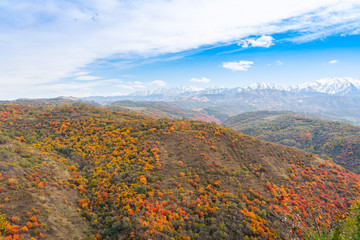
115, 47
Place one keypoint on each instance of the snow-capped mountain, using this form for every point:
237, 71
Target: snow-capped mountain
333, 86
213, 90
349, 87
167, 91
263, 86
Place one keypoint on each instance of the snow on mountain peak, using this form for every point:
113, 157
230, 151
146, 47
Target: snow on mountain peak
167, 91
335, 86
261, 86
332, 85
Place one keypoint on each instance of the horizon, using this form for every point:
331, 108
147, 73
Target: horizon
115, 48
192, 89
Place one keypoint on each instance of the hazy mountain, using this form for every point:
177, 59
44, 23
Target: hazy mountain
161, 109
168, 92
57, 101
150, 95
331, 98
332, 86
342, 108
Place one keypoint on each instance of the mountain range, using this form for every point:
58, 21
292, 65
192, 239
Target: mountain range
333, 99
332, 86
330, 98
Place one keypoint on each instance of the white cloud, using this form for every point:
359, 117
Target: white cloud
279, 63
44, 42
137, 84
159, 83
333, 61
127, 87
200, 80
78, 89
238, 66
263, 41
87, 78
80, 73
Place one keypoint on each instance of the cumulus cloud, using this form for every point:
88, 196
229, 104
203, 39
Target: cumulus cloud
238, 66
263, 41
333, 61
200, 80
279, 63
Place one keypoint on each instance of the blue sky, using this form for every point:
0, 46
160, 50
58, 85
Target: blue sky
113, 47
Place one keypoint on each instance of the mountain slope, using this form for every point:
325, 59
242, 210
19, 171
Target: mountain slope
336, 140
54, 101
35, 199
141, 177
160, 109
321, 105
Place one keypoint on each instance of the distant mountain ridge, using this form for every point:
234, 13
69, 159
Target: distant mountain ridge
168, 91
333, 86
329, 98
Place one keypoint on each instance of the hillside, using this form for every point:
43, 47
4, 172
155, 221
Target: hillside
36, 200
53, 101
162, 109
140, 177
329, 139
224, 105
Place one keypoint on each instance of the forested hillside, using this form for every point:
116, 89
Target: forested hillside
139, 177
329, 139
36, 200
